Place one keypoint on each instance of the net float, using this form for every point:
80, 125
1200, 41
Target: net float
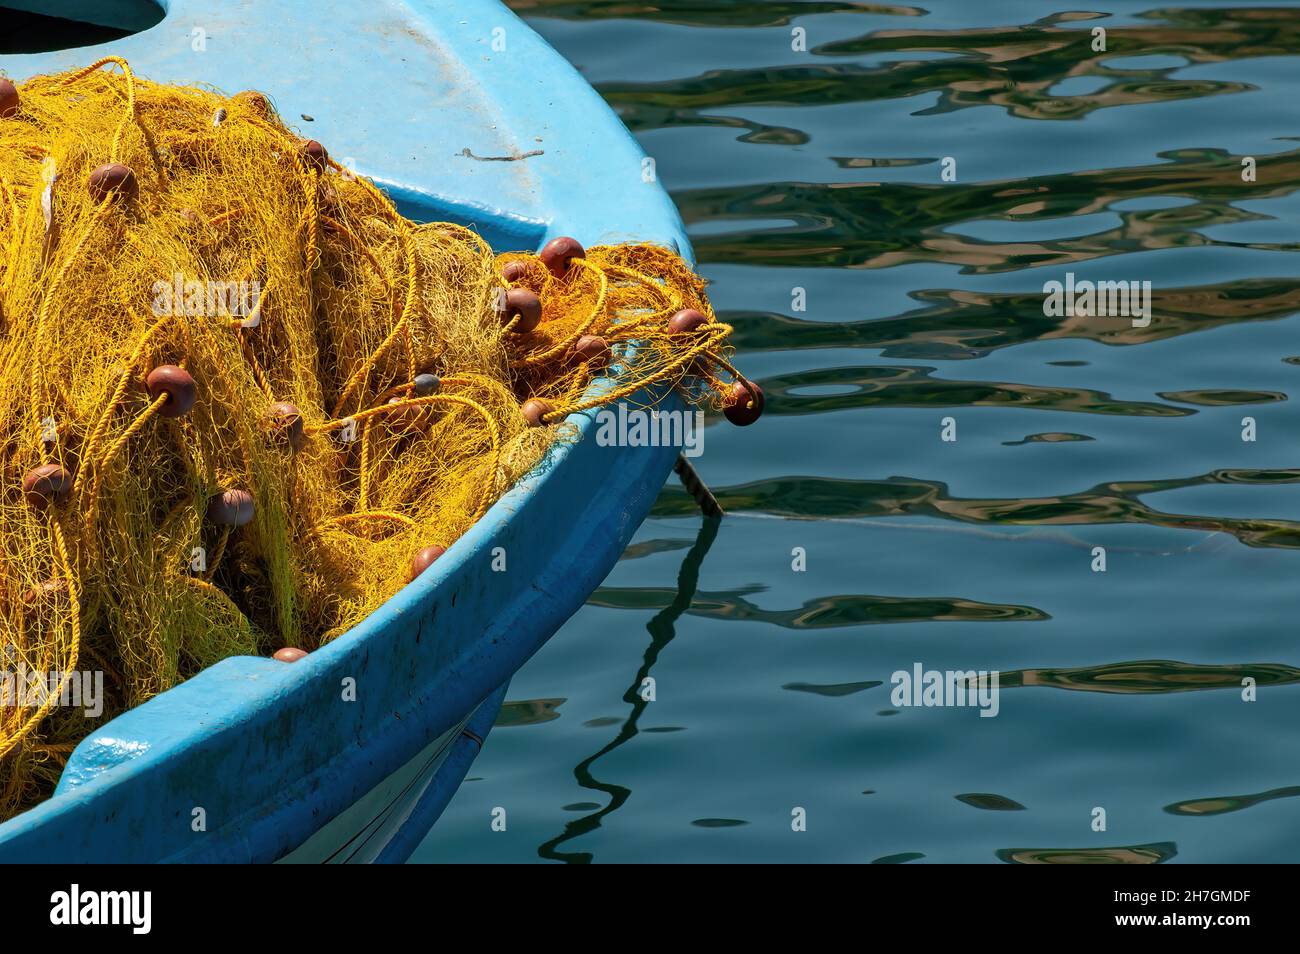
112, 179
423, 560
175, 382
289, 654
558, 254
45, 485
403, 418
255, 101
526, 305
231, 508
426, 384
52, 592
592, 349
743, 404
8, 98
286, 424
313, 154
687, 321
534, 409
514, 271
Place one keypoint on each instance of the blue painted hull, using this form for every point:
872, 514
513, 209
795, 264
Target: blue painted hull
246, 761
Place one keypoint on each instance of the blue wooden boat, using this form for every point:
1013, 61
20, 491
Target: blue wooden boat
461, 113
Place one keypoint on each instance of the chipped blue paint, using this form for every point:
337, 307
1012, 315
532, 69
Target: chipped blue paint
270, 751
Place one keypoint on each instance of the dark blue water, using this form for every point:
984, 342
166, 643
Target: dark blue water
1120, 690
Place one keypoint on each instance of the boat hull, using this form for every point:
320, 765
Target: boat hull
250, 758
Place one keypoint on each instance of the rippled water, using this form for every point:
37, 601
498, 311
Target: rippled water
1120, 690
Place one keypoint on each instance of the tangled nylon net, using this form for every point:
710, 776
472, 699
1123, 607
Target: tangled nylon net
243, 401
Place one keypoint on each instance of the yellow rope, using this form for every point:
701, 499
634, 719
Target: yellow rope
101, 425
141, 420
222, 541
363, 490
38, 368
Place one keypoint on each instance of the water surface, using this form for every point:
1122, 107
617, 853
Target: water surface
821, 170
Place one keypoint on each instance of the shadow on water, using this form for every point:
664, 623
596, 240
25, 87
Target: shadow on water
662, 628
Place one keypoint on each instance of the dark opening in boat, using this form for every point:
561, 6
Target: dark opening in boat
41, 26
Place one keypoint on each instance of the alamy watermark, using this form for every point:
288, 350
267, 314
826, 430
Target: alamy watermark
75, 906
213, 299
1119, 299
622, 426
32, 689
953, 687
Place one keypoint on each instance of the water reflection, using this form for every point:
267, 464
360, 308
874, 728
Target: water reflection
1127, 855
528, 712
726, 13
834, 690
1153, 675
827, 612
1229, 803
915, 387
879, 225
990, 802
1015, 68
959, 325
1109, 503
662, 629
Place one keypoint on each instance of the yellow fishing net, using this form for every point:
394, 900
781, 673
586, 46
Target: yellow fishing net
243, 401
